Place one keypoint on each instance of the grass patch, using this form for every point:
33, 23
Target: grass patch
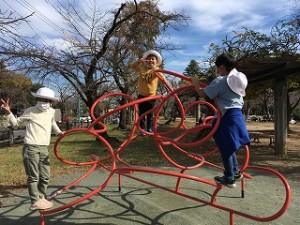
142, 151
78, 147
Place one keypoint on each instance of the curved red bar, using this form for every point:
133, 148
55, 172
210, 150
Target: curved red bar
162, 139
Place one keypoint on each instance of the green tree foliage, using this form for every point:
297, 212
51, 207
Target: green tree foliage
193, 69
17, 88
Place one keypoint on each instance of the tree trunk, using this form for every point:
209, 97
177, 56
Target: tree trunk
123, 115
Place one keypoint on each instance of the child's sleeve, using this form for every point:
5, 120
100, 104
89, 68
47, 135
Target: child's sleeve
213, 89
20, 121
54, 126
135, 66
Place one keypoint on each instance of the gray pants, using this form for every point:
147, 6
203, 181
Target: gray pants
37, 167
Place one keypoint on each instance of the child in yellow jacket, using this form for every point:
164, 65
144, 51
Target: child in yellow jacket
147, 83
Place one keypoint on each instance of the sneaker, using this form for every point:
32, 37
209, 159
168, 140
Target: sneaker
48, 202
41, 204
239, 176
224, 181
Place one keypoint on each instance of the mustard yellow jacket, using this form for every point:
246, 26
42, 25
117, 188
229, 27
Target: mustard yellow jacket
148, 80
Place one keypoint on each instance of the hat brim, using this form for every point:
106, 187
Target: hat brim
44, 97
156, 54
238, 84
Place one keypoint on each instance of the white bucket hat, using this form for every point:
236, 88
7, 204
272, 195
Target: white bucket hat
45, 93
237, 82
156, 54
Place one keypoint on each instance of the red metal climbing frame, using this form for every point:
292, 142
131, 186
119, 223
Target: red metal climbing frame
164, 139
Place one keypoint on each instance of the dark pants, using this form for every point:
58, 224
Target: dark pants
144, 107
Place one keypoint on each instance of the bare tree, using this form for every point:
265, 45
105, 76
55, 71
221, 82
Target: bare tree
137, 35
13, 85
98, 47
9, 24
68, 100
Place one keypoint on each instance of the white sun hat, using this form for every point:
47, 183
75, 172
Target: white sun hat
156, 54
237, 82
45, 93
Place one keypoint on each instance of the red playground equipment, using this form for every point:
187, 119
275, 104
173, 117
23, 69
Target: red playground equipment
175, 138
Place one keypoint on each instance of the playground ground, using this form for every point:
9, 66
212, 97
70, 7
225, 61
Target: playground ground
141, 204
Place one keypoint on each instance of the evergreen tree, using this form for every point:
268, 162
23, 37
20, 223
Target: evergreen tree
193, 69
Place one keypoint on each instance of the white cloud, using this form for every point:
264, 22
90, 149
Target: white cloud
211, 21
226, 15
211, 16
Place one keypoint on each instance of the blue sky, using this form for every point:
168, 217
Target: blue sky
210, 21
